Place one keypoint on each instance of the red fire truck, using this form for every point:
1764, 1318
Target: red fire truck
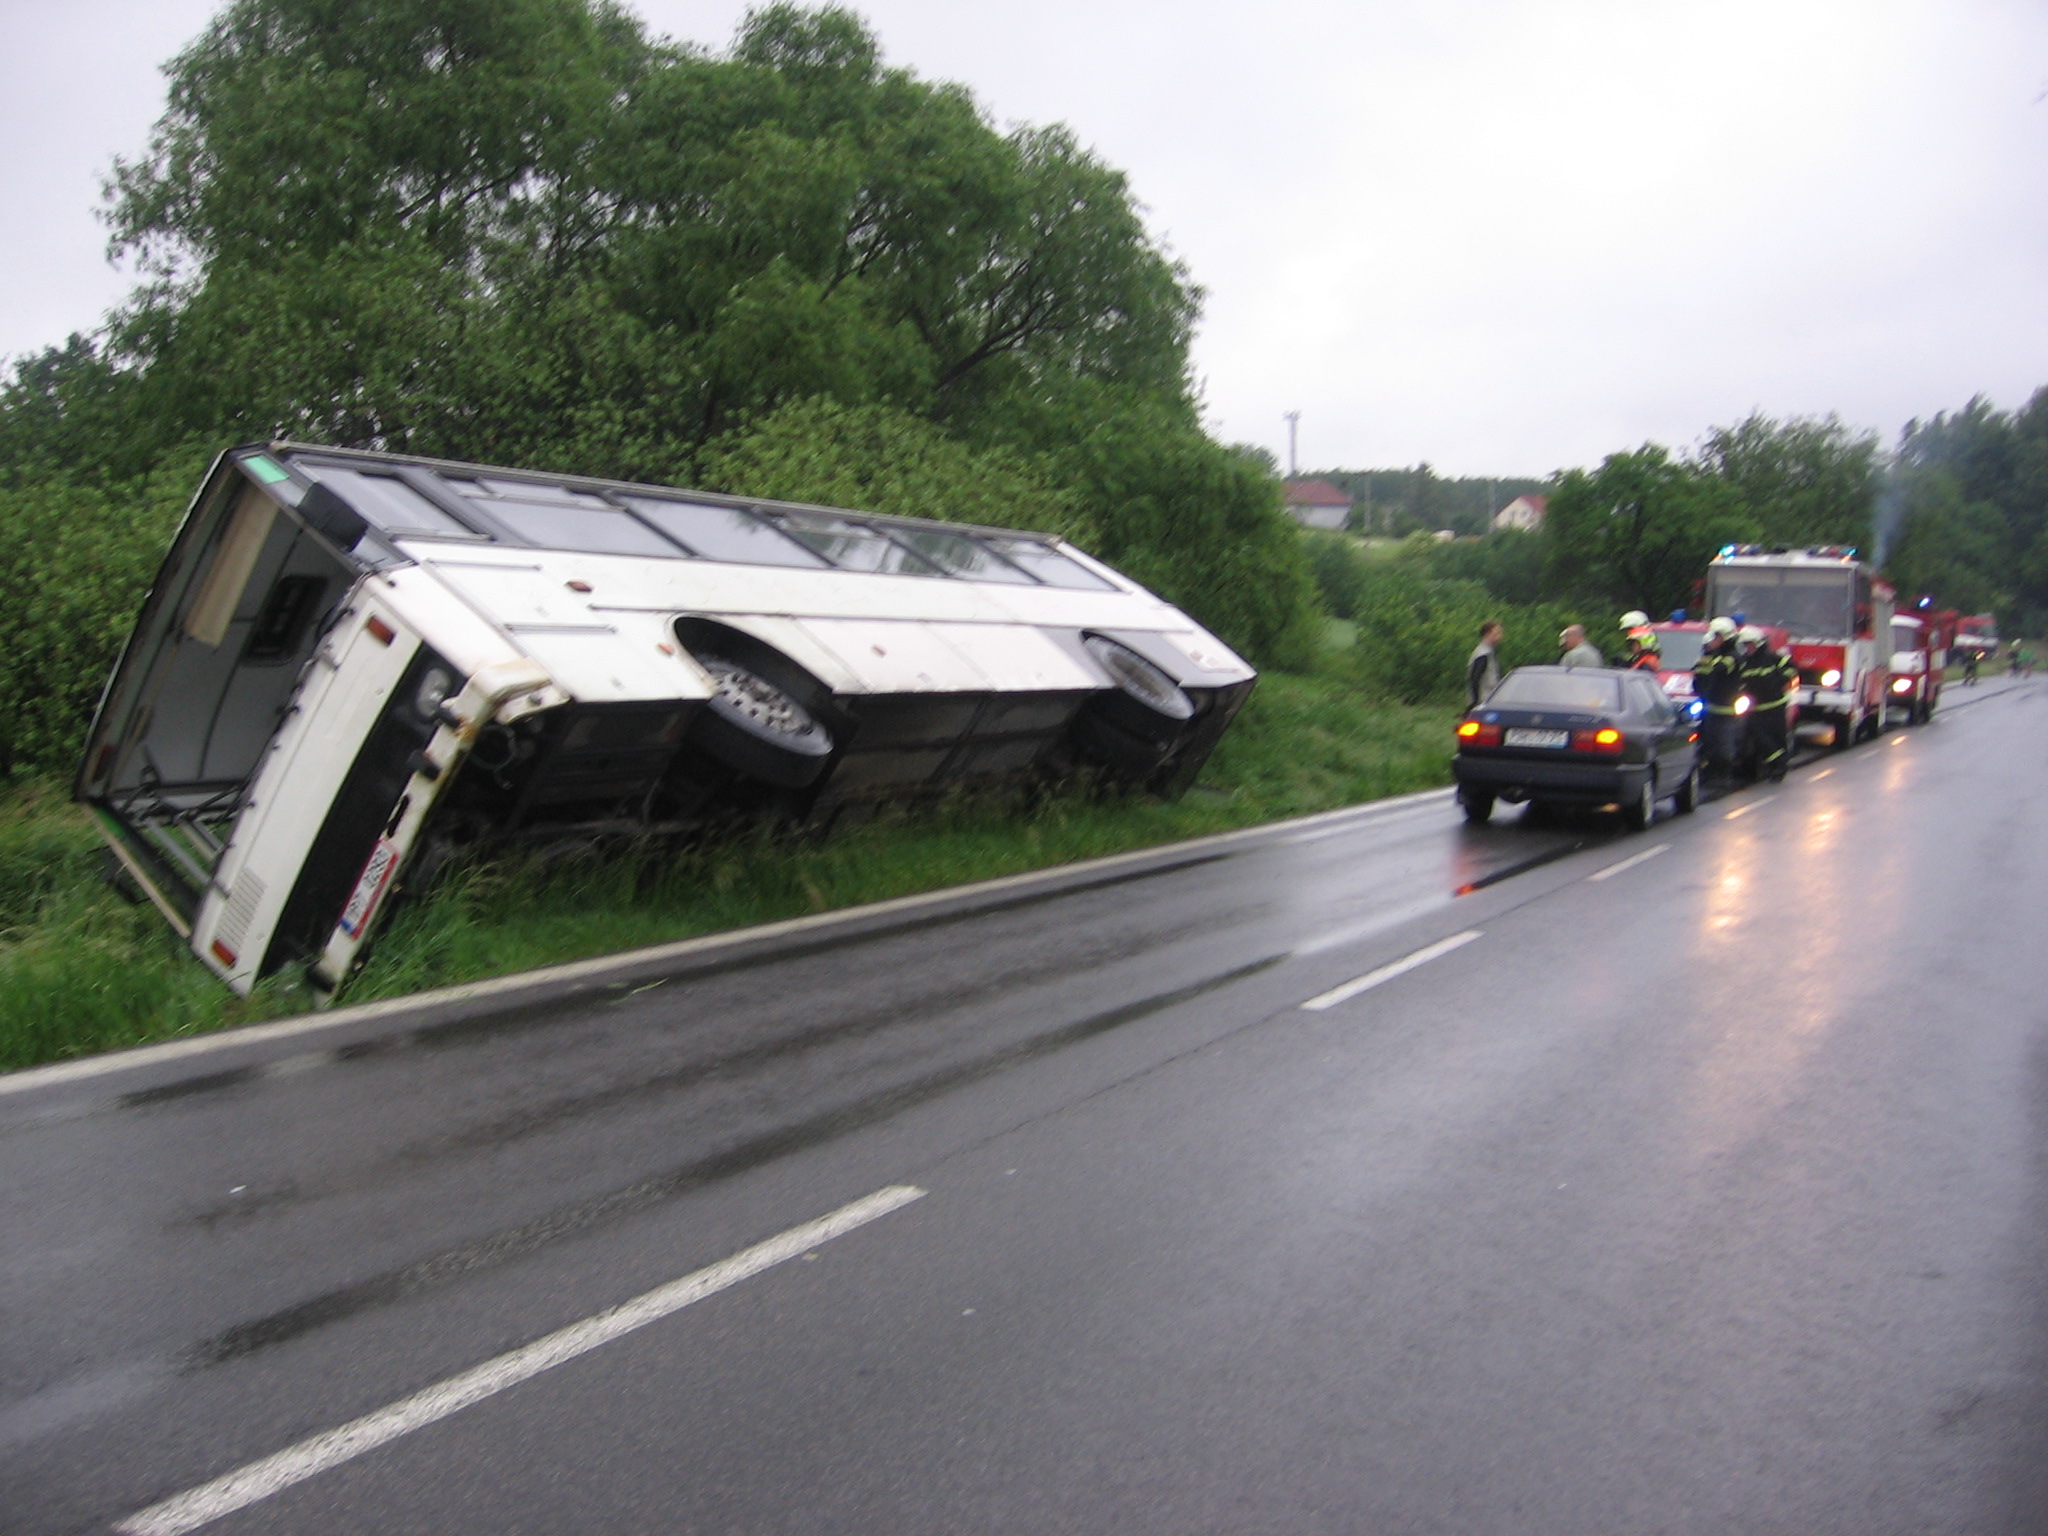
1838, 614
1977, 632
1679, 643
1922, 638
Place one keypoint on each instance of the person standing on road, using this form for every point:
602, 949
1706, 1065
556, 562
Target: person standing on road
1717, 683
1643, 650
1578, 650
1970, 659
1768, 679
1482, 667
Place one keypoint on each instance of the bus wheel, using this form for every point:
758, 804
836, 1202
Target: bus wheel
758, 730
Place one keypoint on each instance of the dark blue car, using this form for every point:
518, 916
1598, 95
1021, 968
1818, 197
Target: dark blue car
1584, 736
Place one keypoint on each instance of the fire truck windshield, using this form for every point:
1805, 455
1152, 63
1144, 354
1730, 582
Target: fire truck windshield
1808, 602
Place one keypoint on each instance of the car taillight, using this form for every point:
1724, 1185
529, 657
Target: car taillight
1477, 733
1605, 739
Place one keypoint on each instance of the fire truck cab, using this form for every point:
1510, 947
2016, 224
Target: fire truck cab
1921, 640
1837, 614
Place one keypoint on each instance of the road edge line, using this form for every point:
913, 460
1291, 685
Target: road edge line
53, 1074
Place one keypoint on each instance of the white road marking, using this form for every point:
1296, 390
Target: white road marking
1744, 810
1630, 862
1388, 972
273, 1474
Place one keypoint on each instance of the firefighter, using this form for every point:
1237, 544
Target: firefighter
1645, 653
1768, 680
1717, 682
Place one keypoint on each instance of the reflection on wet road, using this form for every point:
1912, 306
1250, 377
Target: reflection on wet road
1596, 1193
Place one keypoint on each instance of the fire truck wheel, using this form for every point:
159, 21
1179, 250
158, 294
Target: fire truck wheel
1477, 805
1687, 800
1845, 732
1642, 810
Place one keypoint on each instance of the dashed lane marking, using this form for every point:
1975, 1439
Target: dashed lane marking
1746, 807
1629, 863
1388, 972
273, 1474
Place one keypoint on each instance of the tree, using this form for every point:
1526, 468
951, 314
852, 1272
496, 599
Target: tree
1946, 547
1638, 532
1802, 481
520, 229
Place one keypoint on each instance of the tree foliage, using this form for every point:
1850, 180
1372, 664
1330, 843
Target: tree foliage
1966, 511
521, 230
526, 232
1802, 481
1638, 531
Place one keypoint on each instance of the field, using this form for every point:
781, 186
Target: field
82, 970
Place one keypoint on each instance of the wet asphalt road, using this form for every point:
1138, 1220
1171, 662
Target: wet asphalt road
1706, 1194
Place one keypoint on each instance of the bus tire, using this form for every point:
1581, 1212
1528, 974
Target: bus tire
758, 729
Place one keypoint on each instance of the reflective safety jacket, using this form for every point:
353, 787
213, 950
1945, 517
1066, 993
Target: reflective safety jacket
1768, 678
1717, 680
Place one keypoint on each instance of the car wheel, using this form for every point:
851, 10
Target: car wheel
1477, 805
1687, 800
1642, 810
758, 730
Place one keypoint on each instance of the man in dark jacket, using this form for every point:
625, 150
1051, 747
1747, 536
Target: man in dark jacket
1482, 667
1717, 682
1769, 680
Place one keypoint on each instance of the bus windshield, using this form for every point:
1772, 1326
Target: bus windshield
1809, 603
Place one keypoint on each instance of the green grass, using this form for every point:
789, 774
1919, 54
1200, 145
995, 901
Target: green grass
81, 970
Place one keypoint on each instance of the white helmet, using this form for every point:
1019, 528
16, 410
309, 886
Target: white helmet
1720, 629
1749, 634
1635, 618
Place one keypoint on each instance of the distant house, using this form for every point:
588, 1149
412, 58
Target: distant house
1317, 504
1524, 512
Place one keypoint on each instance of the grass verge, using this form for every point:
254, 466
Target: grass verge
82, 971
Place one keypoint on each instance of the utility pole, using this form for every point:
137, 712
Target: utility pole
1293, 421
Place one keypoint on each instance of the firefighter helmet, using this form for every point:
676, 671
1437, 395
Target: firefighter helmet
1749, 634
1635, 618
1720, 629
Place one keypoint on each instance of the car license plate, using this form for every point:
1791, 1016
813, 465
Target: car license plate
1529, 736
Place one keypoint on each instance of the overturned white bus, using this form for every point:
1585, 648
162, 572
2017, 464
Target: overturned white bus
351, 660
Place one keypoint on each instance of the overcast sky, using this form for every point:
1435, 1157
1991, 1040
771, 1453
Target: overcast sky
1503, 236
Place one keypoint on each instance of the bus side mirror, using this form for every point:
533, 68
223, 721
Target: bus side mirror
327, 514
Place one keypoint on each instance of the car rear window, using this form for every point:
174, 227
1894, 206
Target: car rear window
1562, 689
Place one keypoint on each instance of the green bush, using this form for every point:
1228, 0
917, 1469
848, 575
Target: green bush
1415, 629
75, 562
880, 459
